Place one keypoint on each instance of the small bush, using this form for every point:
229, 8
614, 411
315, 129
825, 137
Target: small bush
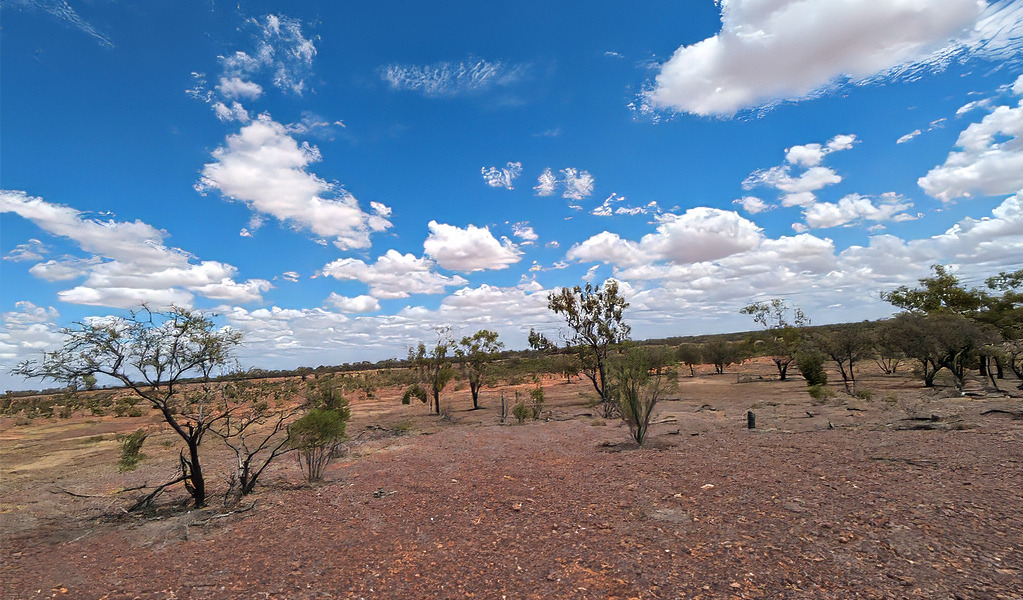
316, 436
811, 365
864, 395
521, 412
537, 401
131, 450
403, 427
820, 392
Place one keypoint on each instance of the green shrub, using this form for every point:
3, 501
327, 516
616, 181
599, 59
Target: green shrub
864, 395
811, 365
316, 437
521, 411
820, 392
131, 450
537, 401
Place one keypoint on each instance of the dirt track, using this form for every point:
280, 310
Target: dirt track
873, 508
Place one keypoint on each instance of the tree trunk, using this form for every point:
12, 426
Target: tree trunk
198, 487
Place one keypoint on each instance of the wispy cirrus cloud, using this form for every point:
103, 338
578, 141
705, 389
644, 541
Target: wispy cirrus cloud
451, 79
63, 11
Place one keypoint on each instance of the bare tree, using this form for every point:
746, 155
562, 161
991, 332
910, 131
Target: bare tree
255, 427
595, 317
152, 354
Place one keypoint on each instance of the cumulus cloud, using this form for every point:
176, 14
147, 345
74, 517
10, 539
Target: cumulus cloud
449, 79
800, 188
752, 204
768, 52
574, 184
524, 232
495, 177
237, 88
264, 167
700, 234
358, 304
26, 332
990, 162
394, 275
128, 263
855, 207
469, 249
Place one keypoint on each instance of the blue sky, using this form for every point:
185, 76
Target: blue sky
339, 180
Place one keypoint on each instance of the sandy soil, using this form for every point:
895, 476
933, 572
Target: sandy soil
911, 494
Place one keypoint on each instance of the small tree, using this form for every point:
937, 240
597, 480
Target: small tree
690, 355
638, 382
721, 354
781, 334
152, 354
888, 349
476, 352
434, 368
316, 436
255, 428
595, 317
845, 345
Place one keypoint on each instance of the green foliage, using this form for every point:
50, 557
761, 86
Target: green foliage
864, 395
721, 354
536, 397
475, 354
820, 392
521, 411
690, 355
782, 335
539, 342
941, 293
315, 436
595, 317
131, 450
638, 381
415, 391
811, 366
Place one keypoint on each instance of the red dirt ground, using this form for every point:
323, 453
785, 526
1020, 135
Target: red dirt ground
912, 494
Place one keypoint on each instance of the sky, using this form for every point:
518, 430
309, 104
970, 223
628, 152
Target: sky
339, 180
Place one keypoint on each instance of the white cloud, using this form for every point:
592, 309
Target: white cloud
546, 184
32, 250
281, 51
469, 249
700, 234
774, 50
855, 207
608, 209
27, 332
265, 168
129, 263
908, 136
236, 88
575, 184
449, 79
291, 276
524, 232
496, 177
235, 112
358, 304
752, 204
988, 162
394, 275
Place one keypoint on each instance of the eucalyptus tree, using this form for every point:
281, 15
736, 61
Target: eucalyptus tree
594, 316
475, 353
782, 334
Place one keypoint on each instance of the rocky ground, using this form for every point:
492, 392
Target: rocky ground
910, 493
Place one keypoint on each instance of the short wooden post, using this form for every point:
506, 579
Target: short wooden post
751, 420
504, 410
